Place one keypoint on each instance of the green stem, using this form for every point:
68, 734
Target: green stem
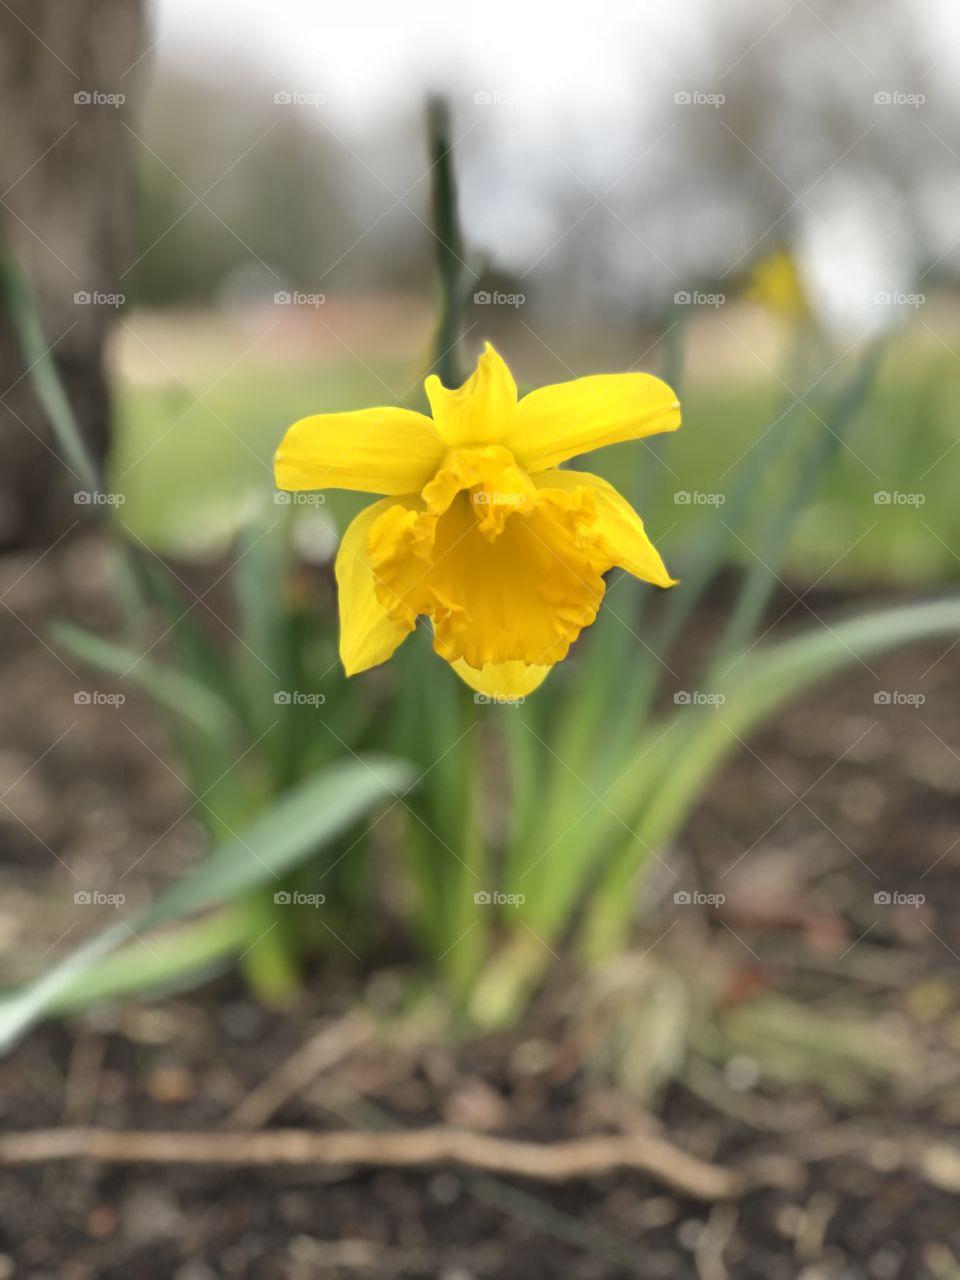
507, 983
268, 964
471, 921
454, 274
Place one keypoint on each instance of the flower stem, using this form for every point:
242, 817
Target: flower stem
453, 272
268, 964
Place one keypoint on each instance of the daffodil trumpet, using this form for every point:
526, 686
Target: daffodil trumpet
479, 528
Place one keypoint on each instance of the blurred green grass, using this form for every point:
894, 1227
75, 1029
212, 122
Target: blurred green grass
192, 470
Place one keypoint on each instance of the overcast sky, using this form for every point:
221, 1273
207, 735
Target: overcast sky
567, 59
371, 53
578, 92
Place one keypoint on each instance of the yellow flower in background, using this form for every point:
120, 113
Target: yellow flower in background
775, 282
480, 530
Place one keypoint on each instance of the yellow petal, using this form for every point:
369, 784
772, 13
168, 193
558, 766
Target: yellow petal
506, 680
368, 635
620, 536
401, 549
481, 410
375, 450
570, 418
496, 485
524, 596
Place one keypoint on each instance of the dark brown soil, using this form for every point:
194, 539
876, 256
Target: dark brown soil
868, 1153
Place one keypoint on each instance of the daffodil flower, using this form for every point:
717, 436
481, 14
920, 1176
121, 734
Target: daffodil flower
480, 530
775, 282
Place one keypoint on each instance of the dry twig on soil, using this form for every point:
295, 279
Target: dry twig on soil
324, 1050
547, 1162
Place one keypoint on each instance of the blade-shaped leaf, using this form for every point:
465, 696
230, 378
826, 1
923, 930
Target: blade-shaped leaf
174, 690
301, 821
657, 802
42, 368
305, 817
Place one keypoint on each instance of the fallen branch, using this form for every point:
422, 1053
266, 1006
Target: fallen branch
547, 1162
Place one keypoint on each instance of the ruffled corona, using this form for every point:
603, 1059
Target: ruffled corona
481, 532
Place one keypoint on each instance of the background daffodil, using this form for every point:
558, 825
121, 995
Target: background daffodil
479, 529
776, 283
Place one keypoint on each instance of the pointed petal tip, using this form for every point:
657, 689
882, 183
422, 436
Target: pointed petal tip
502, 681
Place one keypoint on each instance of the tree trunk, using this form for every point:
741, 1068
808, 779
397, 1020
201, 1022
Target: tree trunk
68, 76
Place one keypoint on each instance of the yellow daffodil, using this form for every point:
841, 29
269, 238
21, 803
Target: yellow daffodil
479, 529
776, 283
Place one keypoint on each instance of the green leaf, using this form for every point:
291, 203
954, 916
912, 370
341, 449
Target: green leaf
44, 376
175, 960
260, 583
762, 575
307, 817
19, 1011
194, 650
173, 690
696, 741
